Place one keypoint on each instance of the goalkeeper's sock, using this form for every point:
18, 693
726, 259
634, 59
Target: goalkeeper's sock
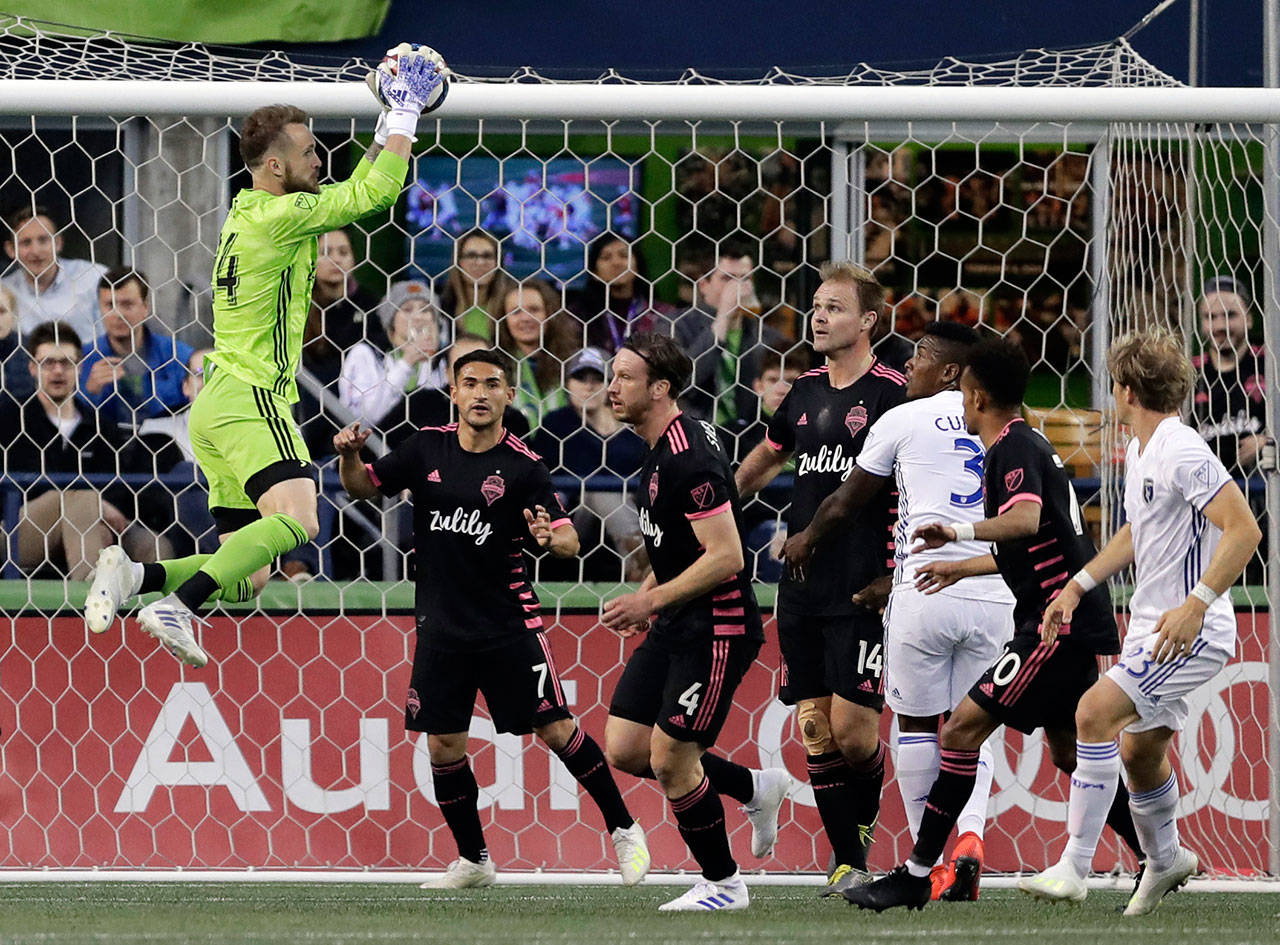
457, 794
585, 761
246, 550
168, 576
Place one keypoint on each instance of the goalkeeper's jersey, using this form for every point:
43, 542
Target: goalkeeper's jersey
266, 265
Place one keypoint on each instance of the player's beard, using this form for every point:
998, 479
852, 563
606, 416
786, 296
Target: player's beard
299, 185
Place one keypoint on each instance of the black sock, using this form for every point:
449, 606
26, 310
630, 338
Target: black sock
700, 817
957, 774
833, 792
1120, 819
868, 780
456, 795
153, 577
729, 778
585, 761
196, 590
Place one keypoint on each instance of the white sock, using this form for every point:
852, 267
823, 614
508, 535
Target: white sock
915, 770
973, 819
1093, 789
1155, 819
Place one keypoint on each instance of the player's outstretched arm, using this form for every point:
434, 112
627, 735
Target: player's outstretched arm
760, 468
1021, 520
351, 470
841, 505
933, 576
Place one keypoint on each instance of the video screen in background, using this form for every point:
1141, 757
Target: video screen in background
544, 212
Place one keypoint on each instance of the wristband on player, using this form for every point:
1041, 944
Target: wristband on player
1205, 593
963, 530
401, 121
380, 129
1085, 580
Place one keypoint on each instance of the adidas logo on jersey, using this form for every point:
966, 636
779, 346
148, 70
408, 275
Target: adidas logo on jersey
987, 690
433, 476
866, 686
677, 721
803, 421
544, 706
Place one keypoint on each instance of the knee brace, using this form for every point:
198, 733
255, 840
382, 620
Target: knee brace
815, 728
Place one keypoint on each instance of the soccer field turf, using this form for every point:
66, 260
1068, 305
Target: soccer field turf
325, 913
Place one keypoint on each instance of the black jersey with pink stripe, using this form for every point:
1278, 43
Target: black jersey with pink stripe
1022, 466
825, 428
686, 477
471, 584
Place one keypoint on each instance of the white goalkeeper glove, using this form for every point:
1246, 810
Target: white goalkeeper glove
418, 83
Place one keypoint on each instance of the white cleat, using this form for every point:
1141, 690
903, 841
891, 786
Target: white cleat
724, 896
113, 584
1059, 883
632, 852
169, 621
772, 787
1156, 884
464, 874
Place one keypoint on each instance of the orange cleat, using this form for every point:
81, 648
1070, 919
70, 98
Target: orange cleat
966, 870
940, 877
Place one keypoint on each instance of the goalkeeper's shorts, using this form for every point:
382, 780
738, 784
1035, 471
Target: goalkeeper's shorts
245, 440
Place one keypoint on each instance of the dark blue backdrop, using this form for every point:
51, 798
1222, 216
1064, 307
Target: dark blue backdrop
660, 38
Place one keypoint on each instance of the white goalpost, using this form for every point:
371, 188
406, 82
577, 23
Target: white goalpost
1062, 197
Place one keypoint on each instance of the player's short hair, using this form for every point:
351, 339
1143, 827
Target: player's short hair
957, 338
53, 333
263, 128
28, 211
1000, 368
1154, 365
498, 359
665, 360
868, 288
122, 276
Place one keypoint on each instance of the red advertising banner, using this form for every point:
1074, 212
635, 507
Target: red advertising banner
289, 750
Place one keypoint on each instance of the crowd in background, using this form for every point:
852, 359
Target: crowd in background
98, 389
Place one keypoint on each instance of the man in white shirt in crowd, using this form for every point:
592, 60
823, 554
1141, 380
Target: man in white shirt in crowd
49, 286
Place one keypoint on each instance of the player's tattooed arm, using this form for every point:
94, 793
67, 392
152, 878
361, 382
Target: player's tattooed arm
760, 468
933, 576
352, 471
849, 498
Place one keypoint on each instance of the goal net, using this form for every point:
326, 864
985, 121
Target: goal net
1009, 195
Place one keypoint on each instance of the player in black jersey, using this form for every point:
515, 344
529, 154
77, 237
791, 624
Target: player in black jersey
832, 647
1034, 522
480, 499
678, 685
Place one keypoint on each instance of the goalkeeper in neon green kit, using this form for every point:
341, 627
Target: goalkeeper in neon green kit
262, 485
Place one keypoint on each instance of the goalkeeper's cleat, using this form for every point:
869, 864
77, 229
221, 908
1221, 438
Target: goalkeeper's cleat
114, 582
772, 785
632, 851
1155, 884
844, 877
1059, 883
169, 621
725, 896
940, 879
464, 874
896, 888
966, 870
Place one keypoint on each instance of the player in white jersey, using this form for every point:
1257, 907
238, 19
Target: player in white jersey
1189, 534
937, 645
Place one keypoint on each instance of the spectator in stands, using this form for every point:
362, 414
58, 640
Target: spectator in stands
725, 337
340, 305
375, 386
15, 370
1228, 407
67, 525
178, 507
584, 439
618, 300
541, 337
132, 372
49, 286
476, 286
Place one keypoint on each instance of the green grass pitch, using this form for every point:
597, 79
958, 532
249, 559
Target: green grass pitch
300, 913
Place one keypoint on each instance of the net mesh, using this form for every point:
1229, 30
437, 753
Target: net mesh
287, 752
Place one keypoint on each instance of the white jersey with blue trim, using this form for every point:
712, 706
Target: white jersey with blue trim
938, 468
1167, 486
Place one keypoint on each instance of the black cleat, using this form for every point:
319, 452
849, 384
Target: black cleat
896, 888
965, 886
